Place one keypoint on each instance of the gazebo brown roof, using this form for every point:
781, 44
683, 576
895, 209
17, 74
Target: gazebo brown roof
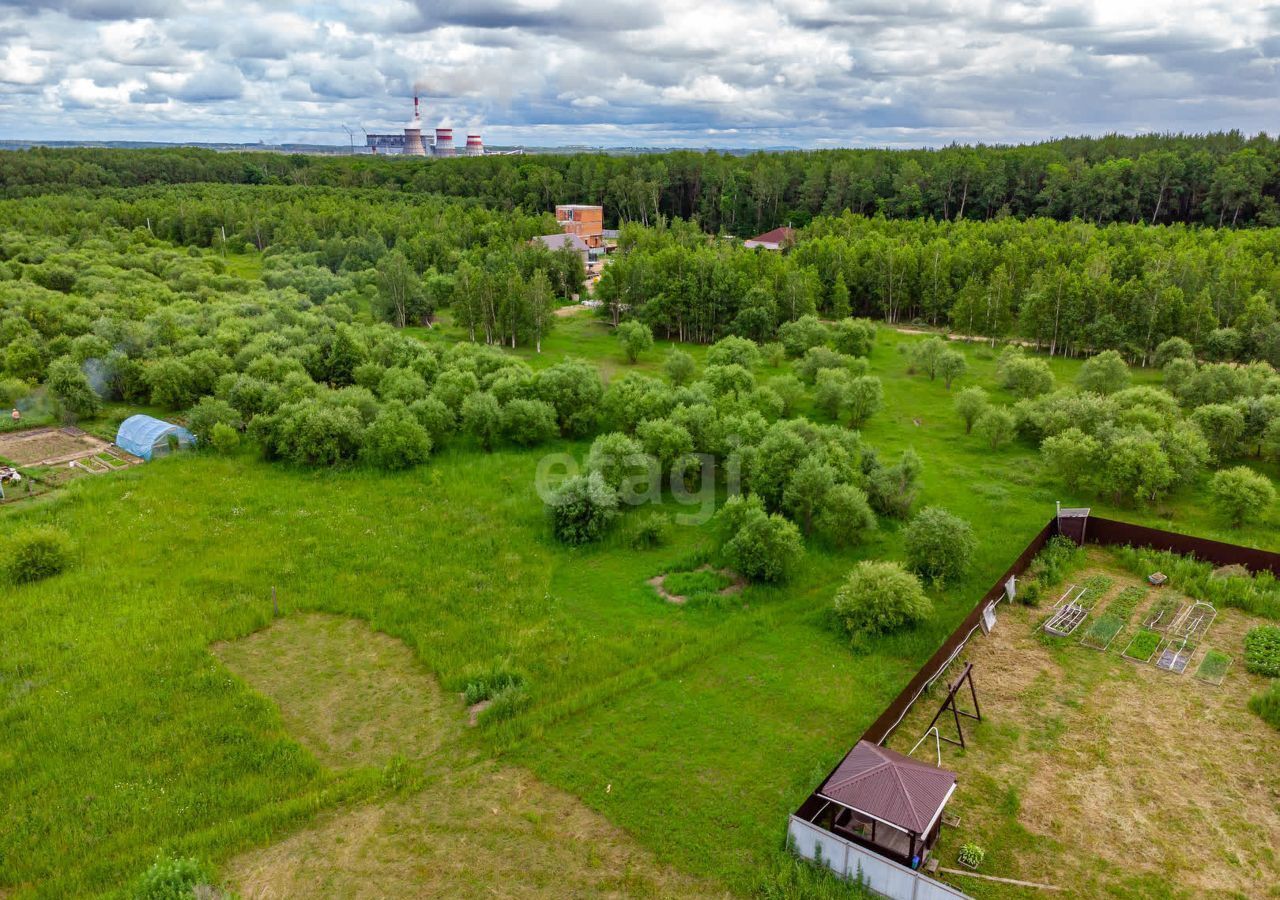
888, 786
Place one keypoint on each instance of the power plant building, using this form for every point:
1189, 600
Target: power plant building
411, 142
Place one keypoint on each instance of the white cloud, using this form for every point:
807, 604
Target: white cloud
740, 72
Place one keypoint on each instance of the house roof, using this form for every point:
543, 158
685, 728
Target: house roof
556, 241
777, 236
889, 786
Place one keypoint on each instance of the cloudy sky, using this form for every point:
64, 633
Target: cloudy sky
807, 73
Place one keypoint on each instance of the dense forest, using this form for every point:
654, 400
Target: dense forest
1066, 287
1215, 179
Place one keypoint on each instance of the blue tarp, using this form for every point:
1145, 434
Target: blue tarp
147, 437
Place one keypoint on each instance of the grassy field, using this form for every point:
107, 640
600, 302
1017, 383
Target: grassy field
693, 729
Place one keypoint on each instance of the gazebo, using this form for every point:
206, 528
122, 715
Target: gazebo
887, 802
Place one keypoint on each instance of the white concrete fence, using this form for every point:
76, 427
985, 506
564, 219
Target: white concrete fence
883, 876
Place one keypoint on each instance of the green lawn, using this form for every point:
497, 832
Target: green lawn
125, 737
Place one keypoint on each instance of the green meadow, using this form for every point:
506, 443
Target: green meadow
696, 729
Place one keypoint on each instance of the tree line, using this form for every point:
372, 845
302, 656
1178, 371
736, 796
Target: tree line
1065, 287
1219, 179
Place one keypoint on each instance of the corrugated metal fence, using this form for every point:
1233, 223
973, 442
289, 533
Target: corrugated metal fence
883, 876
883, 726
1109, 532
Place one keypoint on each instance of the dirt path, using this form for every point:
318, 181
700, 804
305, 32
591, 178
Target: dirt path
954, 336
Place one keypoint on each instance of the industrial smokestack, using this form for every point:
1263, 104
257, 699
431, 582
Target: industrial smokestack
444, 142
413, 145
475, 146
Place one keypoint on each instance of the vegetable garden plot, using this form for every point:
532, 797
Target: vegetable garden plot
1174, 656
1142, 646
1213, 668
1095, 586
1162, 612
1113, 619
1068, 612
1193, 622
1102, 632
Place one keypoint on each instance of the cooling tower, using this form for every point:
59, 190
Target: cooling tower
444, 142
475, 146
413, 145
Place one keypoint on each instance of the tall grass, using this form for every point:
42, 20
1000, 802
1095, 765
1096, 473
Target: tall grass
1258, 594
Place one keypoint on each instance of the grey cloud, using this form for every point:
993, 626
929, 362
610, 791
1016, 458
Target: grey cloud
96, 10
565, 17
211, 85
345, 84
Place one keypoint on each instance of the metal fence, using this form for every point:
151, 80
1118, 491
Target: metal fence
888, 720
883, 876
1109, 532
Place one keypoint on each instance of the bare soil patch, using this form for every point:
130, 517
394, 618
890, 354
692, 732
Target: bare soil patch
49, 446
735, 586
477, 828
67, 451
1100, 774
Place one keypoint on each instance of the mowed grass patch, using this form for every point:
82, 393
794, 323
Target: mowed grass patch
465, 827
349, 695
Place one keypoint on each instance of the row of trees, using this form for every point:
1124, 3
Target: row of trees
1066, 288
1215, 179
1139, 444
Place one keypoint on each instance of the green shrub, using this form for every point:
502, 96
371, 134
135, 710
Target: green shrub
529, 422
761, 547
880, 597
939, 545
1267, 704
972, 855
37, 553
171, 878
679, 367
395, 440
1242, 494
223, 438
650, 532
487, 685
635, 338
1262, 651
582, 508
208, 414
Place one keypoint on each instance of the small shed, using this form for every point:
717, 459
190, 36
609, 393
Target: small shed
147, 437
888, 802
